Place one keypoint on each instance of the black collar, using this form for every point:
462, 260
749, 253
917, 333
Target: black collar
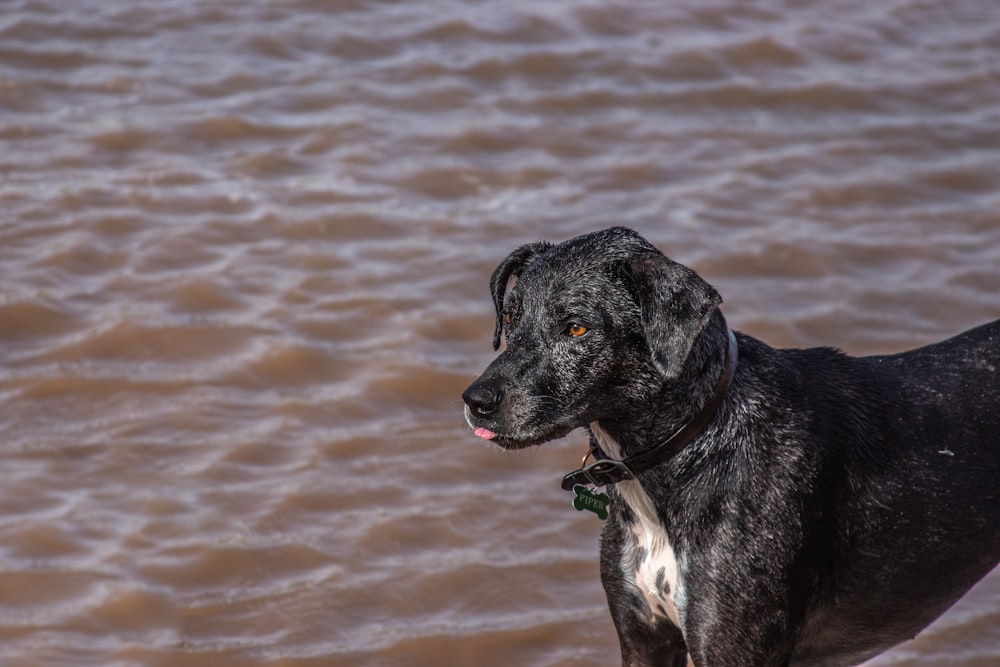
605, 471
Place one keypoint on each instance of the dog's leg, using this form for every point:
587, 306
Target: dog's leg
744, 622
646, 640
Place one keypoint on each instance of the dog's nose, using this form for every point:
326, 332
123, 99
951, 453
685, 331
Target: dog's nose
481, 399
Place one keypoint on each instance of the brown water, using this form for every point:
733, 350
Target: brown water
244, 247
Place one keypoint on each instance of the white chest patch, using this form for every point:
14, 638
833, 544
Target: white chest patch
648, 560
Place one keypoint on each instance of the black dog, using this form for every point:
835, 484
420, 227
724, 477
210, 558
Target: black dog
768, 507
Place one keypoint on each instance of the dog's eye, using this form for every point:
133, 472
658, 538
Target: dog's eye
576, 330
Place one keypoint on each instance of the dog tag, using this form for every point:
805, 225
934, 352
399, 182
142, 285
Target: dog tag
591, 501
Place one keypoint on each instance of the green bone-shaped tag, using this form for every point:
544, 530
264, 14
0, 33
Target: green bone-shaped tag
589, 500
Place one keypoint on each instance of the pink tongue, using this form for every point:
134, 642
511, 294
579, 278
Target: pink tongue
485, 433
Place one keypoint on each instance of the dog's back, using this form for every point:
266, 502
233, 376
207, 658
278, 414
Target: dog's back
917, 512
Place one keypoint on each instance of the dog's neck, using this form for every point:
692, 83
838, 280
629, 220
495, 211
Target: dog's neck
609, 445
617, 463
677, 401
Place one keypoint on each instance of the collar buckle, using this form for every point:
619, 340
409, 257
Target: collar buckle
599, 473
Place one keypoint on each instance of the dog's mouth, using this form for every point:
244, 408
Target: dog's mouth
506, 441
513, 442
516, 439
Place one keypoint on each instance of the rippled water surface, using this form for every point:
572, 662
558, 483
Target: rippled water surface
244, 248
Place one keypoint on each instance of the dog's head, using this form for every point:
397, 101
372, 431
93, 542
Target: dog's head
593, 325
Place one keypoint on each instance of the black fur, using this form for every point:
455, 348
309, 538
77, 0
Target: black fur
834, 506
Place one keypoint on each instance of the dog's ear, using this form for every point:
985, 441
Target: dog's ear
511, 266
675, 305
